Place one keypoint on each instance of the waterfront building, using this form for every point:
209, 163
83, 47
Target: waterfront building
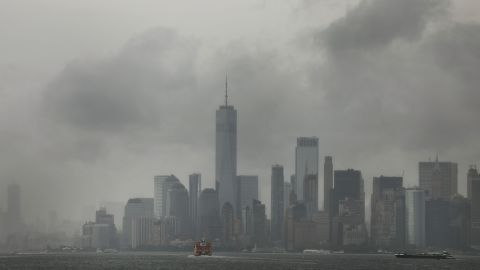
177, 206
327, 183
209, 214
135, 208
248, 189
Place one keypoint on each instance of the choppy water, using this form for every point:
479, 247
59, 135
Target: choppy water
229, 261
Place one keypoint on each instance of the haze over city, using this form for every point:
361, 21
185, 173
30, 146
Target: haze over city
97, 98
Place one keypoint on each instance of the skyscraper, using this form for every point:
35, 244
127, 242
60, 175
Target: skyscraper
135, 208
474, 196
348, 184
247, 189
177, 206
226, 154
306, 162
327, 182
162, 184
209, 214
388, 212
438, 179
415, 216
277, 202
259, 223
195, 186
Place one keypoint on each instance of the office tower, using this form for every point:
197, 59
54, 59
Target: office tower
96, 236
471, 176
348, 209
474, 193
209, 214
248, 189
247, 224
306, 162
447, 223
287, 189
195, 186
162, 184
310, 194
226, 154
415, 217
227, 223
348, 184
438, 179
102, 217
388, 212
135, 208
327, 182
177, 206
277, 201
460, 223
259, 223
116, 209
14, 218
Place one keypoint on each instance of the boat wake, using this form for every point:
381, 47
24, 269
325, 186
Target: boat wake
206, 257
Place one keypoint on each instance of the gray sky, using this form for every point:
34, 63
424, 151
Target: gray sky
99, 96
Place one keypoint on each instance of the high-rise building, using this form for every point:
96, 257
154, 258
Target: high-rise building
247, 189
447, 223
327, 182
474, 196
177, 206
438, 179
162, 184
226, 154
277, 202
388, 212
259, 223
348, 209
348, 184
195, 186
415, 217
306, 162
102, 217
209, 214
227, 223
135, 208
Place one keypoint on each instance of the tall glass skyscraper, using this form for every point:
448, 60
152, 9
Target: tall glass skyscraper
162, 183
226, 154
277, 201
415, 216
306, 163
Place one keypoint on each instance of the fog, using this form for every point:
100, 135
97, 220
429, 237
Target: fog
97, 98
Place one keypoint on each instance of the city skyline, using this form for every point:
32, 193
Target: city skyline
85, 122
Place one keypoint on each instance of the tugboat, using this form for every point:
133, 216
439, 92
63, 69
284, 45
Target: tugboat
438, 256
202, 247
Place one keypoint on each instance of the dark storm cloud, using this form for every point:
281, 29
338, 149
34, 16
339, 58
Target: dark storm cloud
375, 24
126, 91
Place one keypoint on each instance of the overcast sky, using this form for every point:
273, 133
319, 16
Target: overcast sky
97, 97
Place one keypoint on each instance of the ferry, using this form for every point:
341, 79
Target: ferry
202, 247
438, 256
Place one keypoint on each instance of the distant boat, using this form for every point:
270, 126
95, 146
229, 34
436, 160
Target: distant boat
437, 256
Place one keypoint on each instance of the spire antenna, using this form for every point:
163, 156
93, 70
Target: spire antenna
226, 90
